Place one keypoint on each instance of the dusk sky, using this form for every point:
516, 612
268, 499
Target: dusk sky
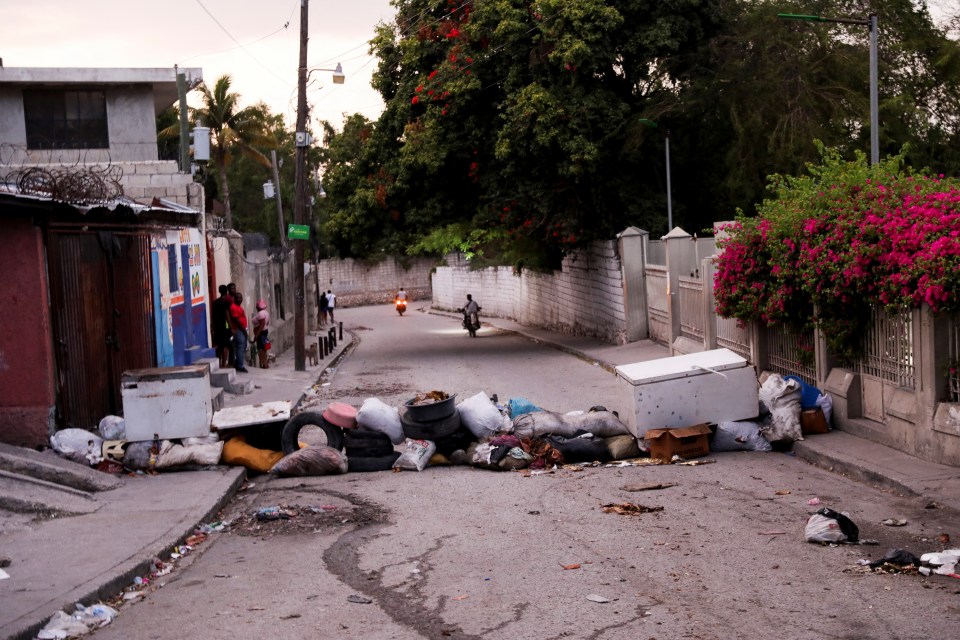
143, 33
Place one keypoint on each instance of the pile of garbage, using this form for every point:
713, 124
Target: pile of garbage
789, 409
436, 431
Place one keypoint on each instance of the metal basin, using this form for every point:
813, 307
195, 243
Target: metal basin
432, 411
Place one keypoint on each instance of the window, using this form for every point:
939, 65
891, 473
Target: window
57, 119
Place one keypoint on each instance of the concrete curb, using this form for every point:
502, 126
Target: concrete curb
835, 464
125, 572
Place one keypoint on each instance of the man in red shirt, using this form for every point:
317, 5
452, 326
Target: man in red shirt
238, 322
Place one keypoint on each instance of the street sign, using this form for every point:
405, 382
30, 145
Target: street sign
298, 232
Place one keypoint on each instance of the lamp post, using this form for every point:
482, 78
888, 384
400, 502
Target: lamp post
666, 138
871, 23
302, 140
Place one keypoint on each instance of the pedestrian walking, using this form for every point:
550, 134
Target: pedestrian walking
331, 304
261, 331
323, 309
220, 325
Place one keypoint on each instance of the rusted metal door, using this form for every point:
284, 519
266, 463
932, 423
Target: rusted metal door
102, 311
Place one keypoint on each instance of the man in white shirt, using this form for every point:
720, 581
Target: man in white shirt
331, 303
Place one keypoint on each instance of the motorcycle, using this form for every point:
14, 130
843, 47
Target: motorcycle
401, 305
469, 323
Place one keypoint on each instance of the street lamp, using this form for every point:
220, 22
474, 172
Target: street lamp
666, 136
871, 23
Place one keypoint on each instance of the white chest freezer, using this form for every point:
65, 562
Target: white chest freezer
711, 386
171, 402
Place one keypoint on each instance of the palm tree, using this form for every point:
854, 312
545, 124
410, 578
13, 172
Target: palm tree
234, 130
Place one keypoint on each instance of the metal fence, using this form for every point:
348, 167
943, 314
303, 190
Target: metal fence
733, 335
658, 305
691, 308
953, 364
889, 349
791, 353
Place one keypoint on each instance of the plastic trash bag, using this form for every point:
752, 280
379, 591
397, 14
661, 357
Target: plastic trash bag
782, 398
623, 447
78, 445
515, 459
377, 415
739, 436
315, 460
584, 448
113, 428
481, 416
520, 406
603, 424
825, 402
827, 525
416, 456
84, 619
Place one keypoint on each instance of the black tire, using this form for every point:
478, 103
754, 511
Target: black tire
361, 437
291, 431
369, 449
359, 464
430, 430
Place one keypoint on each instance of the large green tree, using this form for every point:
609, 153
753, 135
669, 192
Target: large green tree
523, 125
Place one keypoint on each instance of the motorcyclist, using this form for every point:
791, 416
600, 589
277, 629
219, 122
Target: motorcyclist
401, 295
472, 309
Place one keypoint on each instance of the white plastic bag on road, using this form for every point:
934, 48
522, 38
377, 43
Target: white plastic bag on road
78, 445
416, 456
113, 428
377, 415
782, 398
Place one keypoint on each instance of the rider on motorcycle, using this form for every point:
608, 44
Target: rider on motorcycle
472, 309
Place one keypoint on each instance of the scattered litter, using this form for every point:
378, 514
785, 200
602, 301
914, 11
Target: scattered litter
463, 597
894, 522
4, 575
648, 487
593, 597
568, 567
782, 492
272, 513
944, 538
897, 558
83, 620
691, 463
628, 509
358, 599
533, 513
813, 502
771, 533
290, 616
829, 526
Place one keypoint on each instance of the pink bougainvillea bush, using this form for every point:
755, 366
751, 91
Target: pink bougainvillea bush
834, 244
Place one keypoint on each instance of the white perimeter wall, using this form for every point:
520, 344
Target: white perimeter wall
357, 282
585, 297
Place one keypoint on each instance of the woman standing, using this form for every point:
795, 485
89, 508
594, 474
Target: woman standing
261, 328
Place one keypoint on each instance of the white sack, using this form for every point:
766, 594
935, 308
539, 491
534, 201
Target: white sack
602, 424
480, 416
739, 436
377, 415
416, 456
178, 455
782, 398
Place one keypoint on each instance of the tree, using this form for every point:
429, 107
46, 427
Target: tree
233, 130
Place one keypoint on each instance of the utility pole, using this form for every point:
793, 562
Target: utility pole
300, 198
184, 123
276, 181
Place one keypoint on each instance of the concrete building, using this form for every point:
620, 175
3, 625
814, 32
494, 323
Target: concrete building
101, 244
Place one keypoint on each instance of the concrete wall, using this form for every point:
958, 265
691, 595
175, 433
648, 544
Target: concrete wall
357, 283
27, 400
585, 297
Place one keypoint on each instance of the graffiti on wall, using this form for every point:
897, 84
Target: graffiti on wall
180, 295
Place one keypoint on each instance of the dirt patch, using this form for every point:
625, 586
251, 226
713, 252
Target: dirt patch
295, 519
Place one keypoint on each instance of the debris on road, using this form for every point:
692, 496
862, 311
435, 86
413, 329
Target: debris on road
894, 522
628, 509
358, 599
653, 486
593, 597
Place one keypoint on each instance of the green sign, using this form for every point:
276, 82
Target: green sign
298, 232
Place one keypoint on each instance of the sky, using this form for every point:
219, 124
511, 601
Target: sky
208, 34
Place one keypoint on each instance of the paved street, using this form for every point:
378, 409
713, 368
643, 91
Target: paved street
465, 553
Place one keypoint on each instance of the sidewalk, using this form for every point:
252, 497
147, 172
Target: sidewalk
837, 451
93, 556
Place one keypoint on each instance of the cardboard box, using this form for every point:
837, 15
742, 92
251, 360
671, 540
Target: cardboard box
813, 421
686, 442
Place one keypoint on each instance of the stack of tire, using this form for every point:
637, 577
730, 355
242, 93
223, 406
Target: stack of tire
433, 421
366, 450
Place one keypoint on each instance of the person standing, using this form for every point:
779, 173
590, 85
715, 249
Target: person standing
220, 325
323, 309
261, 329
238, 321
331, 304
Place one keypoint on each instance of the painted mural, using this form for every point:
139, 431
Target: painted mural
180, 297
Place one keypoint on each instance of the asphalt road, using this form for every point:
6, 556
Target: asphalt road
465, 553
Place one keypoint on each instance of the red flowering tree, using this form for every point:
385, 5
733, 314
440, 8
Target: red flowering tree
846, 238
